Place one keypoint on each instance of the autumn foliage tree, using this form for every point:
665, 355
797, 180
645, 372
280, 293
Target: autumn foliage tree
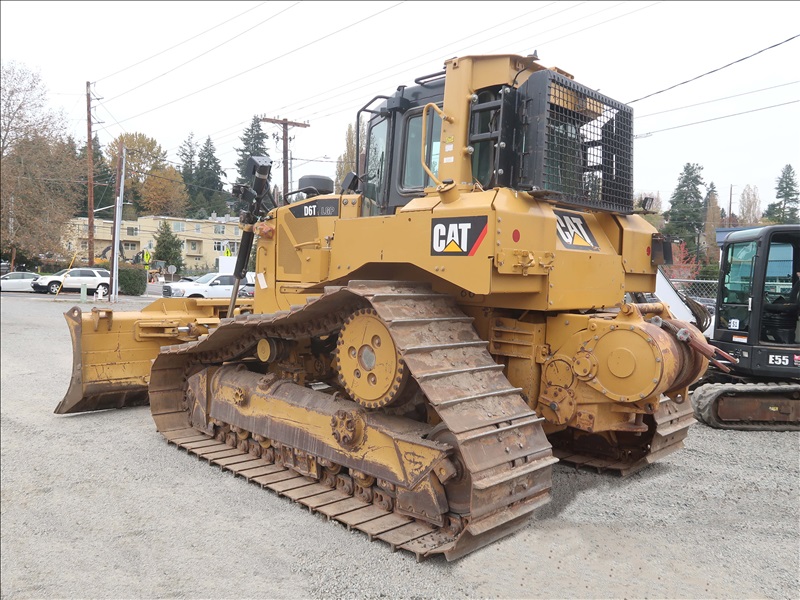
143, 155
41, 175
684, 264
163, 193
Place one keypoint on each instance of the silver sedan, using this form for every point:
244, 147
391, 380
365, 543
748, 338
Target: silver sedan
19, 281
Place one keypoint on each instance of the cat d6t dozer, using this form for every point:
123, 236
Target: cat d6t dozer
425, 344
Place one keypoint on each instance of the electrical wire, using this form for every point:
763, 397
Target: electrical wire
180, 43
285, 54
715, 119
672, 87
237, 36
661, 112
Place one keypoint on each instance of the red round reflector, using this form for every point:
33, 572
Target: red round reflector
515, 235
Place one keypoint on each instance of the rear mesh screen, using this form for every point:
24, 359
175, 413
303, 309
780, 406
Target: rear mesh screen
574, 143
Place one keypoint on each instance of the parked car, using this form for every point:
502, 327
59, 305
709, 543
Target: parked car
73, 280
247, 290
210, 285
17, 282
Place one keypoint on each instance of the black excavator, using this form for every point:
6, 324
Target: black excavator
757, 324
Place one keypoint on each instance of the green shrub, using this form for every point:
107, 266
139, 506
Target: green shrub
132, 280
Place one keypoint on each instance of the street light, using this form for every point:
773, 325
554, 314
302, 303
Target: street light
110, 206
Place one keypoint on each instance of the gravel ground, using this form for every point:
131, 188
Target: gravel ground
99, 506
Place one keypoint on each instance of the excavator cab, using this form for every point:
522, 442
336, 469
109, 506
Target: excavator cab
757, 315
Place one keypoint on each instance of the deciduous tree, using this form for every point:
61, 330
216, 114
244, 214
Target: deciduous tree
684, 263
749, 206
143, 155
348, 161
163, 193
41, 176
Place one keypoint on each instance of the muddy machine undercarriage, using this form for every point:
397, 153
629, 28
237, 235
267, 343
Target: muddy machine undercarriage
426, 343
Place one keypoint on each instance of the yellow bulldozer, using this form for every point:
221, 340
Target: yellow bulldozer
427, 341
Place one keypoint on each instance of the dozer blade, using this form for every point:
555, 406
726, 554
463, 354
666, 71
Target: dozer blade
112, 352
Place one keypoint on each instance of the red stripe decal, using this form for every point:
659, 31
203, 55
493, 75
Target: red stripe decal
478, 242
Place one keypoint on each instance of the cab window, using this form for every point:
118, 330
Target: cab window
738, 286
375, 176
414, 176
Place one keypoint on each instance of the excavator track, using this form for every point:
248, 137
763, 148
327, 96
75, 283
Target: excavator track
749, 406
503, 455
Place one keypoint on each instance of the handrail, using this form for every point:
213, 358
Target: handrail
423, 158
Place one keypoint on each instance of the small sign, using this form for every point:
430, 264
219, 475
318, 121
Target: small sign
171, 269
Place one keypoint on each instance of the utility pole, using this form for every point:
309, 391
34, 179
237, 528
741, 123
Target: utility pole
286, 124
730, 206
90, 161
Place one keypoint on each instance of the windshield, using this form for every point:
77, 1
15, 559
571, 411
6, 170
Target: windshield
61, 272
205, 278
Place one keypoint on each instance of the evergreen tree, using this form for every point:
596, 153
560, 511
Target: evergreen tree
254, 143
188, 155
103, 181
712, 222
785, 210
210, 196
168, 246
686, 215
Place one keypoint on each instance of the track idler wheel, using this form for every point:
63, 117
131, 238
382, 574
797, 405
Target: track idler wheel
370, 366
458, 485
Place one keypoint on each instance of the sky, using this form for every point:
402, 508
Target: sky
171, 69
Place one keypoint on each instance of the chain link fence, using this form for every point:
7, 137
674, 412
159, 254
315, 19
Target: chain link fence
703, 291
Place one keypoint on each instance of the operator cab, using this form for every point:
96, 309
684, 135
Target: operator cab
392, 173
543, 134
758, 319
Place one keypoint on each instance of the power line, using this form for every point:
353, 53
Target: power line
661, 112
715, 70
285, 54
715, 119
179, 43
237, 36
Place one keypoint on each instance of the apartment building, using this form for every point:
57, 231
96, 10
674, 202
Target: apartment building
202, 240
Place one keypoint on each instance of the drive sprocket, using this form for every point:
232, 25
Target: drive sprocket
369, 363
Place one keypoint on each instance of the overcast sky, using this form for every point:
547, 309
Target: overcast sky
168, 69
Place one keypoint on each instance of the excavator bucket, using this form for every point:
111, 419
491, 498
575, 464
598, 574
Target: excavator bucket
112, 351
